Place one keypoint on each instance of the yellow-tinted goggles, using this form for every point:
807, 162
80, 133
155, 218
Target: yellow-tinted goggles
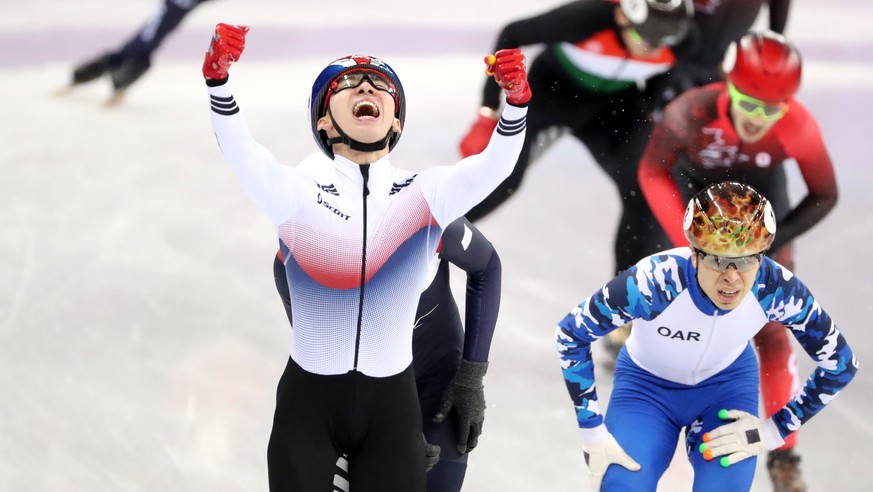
635, 35
750, 107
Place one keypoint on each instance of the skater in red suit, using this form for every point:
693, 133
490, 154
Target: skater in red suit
744, 129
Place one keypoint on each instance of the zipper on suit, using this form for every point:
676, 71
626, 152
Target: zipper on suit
365, 172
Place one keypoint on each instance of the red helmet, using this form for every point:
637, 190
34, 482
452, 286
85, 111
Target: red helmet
764, 65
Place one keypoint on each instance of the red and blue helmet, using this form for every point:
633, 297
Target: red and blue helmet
321, 92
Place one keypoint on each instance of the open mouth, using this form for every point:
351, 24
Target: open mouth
365, 109
728, 296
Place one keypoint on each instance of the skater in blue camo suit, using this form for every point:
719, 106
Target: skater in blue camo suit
688, 363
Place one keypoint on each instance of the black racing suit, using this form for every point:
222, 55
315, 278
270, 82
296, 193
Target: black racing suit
604, 108
717, 23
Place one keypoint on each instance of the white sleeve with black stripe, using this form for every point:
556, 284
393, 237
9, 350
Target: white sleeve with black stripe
272, 187
451, 191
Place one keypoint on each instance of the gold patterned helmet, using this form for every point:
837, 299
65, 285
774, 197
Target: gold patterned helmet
729, 219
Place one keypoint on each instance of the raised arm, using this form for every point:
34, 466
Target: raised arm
452, 191
268, 184
572, 22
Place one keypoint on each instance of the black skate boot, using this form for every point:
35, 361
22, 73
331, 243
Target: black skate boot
90, 70
127, 71
124, 71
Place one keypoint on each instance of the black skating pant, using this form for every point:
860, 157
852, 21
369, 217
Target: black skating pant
375, 421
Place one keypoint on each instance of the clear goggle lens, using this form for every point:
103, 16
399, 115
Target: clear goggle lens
751, 107
350, 80
722, 263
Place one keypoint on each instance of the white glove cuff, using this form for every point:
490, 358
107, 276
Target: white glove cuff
595, 435
771, 434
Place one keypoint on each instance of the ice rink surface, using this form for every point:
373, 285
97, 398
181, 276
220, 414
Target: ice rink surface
141, 338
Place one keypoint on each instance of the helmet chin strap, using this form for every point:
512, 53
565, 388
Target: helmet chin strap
356, 144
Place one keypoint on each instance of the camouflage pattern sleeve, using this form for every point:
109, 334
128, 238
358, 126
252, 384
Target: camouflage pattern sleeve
642, 291
789, 301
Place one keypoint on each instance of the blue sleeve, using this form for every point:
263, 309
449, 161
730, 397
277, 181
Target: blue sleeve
643, 291
466, 247
159, 26
791, 303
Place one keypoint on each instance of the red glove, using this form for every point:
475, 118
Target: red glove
507, 67
227, 45
479, 135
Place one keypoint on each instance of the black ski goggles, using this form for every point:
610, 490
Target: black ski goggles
722, 263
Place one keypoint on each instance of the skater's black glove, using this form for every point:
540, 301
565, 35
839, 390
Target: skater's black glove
431, 454
466, 396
